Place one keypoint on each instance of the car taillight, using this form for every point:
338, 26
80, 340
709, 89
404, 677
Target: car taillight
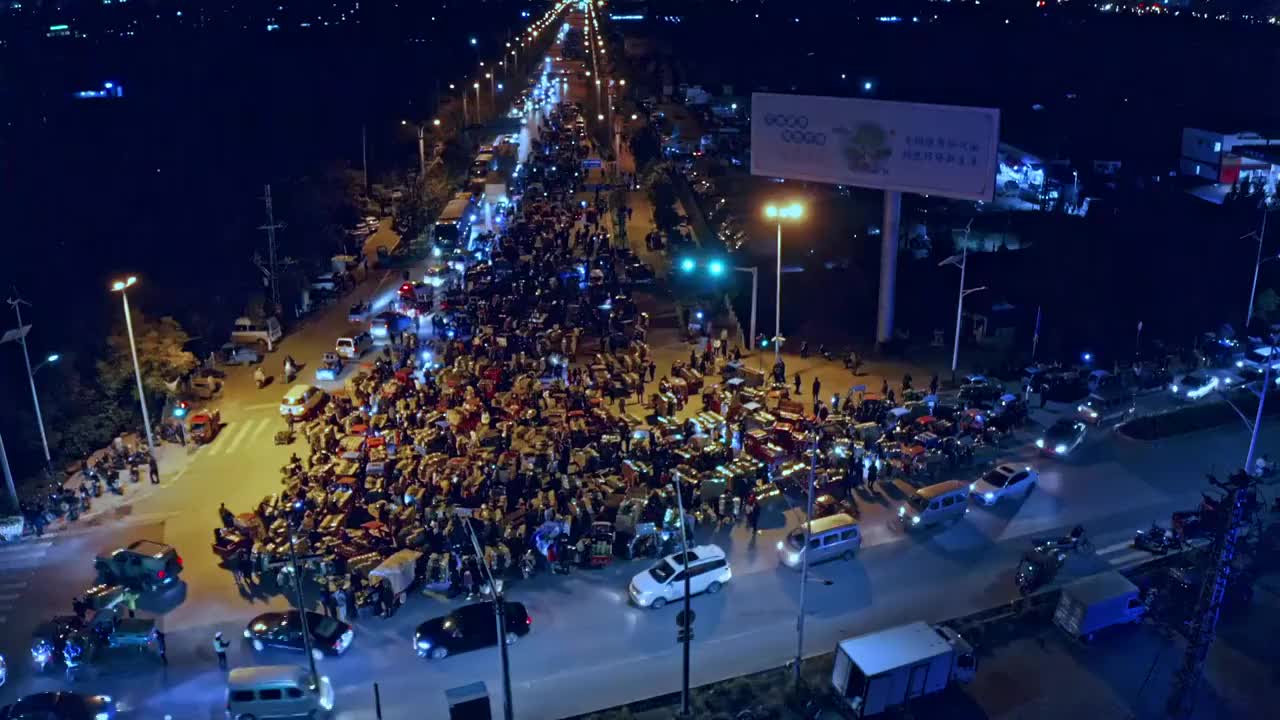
528, 620
179, 559
160, 574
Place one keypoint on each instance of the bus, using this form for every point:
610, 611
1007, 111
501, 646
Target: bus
453, 227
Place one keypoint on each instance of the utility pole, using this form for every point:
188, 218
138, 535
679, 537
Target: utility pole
272, 270
685, 619
302, 604
1205, 622
499, 616
1260, 236
364, 155
804, 557
16, 302
10, 490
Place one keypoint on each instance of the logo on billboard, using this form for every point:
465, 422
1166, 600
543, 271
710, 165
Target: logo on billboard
794, 130
866, 148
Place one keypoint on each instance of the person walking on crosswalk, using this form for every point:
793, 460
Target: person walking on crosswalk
220, 647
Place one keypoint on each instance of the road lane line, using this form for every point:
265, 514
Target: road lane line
8, 597
13, 585
25, 548
1129, 557
234, 441
1112, 548
262, 406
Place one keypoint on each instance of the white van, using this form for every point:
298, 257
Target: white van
276, 691
935, 504
263, 333
829, 537
708, 570
354, 346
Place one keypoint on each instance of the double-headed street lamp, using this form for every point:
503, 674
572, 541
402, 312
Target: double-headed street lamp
960, 261
20, 334
779, 213
122, 287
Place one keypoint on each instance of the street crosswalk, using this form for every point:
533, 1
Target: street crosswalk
16, 557
240, 434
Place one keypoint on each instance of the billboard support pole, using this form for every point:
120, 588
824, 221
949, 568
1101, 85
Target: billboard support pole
888, 265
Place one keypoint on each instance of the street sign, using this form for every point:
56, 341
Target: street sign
590, 163
680, 618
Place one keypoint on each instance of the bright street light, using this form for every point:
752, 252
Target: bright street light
436, 122
51, 359
791, 211
121, 286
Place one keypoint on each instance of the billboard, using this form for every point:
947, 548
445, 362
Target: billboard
946, 150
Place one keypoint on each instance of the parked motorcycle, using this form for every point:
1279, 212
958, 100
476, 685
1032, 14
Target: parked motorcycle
1157, 540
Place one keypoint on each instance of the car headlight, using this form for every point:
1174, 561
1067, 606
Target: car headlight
1040, 442
973, 486
1060, 449
793, 557
915, 520
424, 644
247, 633
779, 544
104, 715
902, 510
1174, 388
988, 496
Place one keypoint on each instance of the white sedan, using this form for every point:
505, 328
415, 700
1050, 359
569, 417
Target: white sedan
1193, 386
1004, 481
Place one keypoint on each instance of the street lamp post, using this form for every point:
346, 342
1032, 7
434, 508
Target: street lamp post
122, 287
493, 94
1257, 265
960, 261
476, 85
16, 303
794, 211
500, 617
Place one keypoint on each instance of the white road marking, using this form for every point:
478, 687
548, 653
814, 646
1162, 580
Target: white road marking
13, 585
1112, 548
262, 406
10, 596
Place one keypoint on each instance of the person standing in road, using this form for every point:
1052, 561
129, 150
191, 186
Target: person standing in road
327, 600
164, 658
797, 383
817, 388
182, 435
872, 472
154, 470
933, 384
220, 647
753, 517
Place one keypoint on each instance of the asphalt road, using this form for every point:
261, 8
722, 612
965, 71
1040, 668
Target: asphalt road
588, 648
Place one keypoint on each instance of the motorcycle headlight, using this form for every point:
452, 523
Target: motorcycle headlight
1060, 449
902, 510
779, 544
248, 634
973, 486
915, 520
424, 644
1040, 442
988, 496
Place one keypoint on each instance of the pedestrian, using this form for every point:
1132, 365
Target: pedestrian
182, 435
468, 584
154, 470
753, 517
857, 474
330, 606
131, 600
220, 647
872, 472
339, 600
817, 387
884, 388
933, 384
797, 382
164, 658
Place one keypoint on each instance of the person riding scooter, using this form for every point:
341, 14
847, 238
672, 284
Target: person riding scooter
259, 377
290, 368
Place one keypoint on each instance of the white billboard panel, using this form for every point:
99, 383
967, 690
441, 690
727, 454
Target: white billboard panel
946, 150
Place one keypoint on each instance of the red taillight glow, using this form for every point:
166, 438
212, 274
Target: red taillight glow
160, 574
179, 559
528, 620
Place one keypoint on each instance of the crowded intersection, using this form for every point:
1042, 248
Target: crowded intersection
523, 425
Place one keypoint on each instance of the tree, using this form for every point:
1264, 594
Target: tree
162, 357
1266, 305
646, 147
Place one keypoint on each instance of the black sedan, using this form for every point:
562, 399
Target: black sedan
468, 628
284, 630
60, 706
1062, 437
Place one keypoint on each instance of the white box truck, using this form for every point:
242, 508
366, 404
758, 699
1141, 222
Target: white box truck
1098, 602
885, 670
